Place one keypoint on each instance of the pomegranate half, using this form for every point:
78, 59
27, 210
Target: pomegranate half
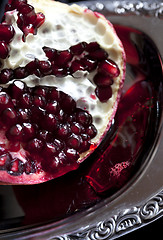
62, 71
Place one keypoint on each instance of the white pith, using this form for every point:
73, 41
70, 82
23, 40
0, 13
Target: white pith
66, 26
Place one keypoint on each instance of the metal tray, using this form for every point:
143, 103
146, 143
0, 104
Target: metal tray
140, 201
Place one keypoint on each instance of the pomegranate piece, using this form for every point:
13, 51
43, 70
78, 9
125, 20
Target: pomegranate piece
46, 129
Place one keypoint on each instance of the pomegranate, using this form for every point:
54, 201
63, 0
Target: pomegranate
61, 79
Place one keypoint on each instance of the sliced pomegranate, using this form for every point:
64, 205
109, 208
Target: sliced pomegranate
56, 102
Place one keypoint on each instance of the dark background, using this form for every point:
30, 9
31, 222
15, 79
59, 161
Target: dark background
151, 231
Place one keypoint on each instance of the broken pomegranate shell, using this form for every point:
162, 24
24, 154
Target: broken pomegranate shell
61, 78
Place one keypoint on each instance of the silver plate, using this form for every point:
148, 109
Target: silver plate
140, 201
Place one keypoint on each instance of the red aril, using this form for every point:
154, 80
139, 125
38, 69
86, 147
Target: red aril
6, 33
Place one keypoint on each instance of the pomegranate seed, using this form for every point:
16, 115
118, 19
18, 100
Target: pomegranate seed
7, 32
45, 67
17, 3
63, 131
98, 55
40, 91
74, 141
25, 100
92, 46
24, 115
16, 167
8, 7
72, 154
63, 57
78, 48
76, 66
39, 101
50, 53
50, 122
28, 13
28, 131
45, 135
9, 116
6, 75
51, 164
84, 118
32, 66
91, 131
54, 94
85, 145
5, 101
40, 19
20, 73
17, 88
59, 71
61, 115
4, 50
103, 93
37, 114
52, 107
20, 21
76, 128
35, 145
89, 64
102, 80
15, 133
50, 149
28, 29
67, 103
109, 67
58, 143
85, 137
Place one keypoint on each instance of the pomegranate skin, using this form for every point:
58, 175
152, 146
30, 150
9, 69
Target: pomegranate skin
41, 175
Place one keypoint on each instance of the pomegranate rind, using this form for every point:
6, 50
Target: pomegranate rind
41, 6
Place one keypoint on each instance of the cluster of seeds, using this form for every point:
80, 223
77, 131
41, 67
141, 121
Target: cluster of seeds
46, 122
28, 21
80, 57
